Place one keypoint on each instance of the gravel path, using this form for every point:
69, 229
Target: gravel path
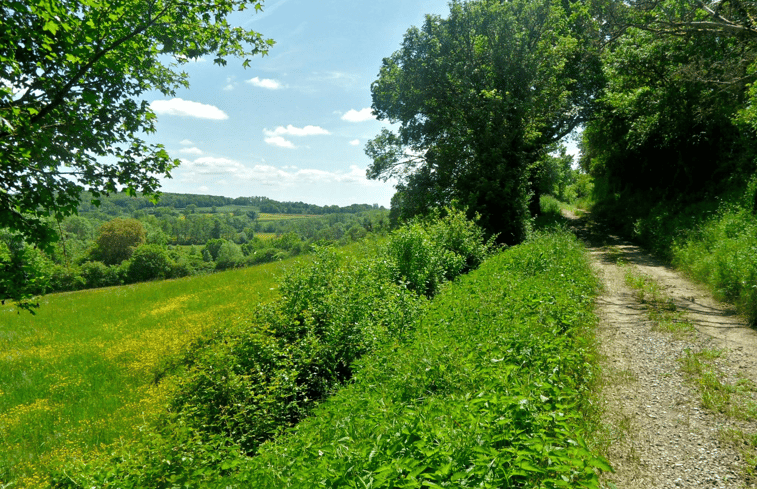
661, 435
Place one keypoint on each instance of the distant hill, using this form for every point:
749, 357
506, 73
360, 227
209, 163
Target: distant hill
124, 203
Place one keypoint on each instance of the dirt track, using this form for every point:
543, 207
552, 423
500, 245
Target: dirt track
661, 436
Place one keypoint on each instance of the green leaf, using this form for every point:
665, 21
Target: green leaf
51, 26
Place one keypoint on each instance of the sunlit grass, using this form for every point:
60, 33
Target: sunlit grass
83, 371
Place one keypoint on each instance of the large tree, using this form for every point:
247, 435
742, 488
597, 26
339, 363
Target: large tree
479, 96
676, 117
71, 76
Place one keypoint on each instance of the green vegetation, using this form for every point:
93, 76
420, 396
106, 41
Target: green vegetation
229, 381
491, 388
145, 241
482, 97
488, 382
82, 373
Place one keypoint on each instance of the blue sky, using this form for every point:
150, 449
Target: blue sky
291, 127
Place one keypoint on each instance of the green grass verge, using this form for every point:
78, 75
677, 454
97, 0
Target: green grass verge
491, 391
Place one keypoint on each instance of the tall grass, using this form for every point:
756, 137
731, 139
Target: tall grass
722, 252
82, 372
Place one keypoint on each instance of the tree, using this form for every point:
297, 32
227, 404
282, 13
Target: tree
666, 122
117, 240
149, 262
479, 97
71, 74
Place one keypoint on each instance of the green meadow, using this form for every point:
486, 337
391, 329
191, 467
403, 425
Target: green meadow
81, 373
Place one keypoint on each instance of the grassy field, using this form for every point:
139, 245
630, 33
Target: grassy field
81, 372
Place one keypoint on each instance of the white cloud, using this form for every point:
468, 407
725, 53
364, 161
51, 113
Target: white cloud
203, 169
297, 131
231, 84
187, 142
280, 142
355, 142
266, 83
359, 115
187, 108
191, 151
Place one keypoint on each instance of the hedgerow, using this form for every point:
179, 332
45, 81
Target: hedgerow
489, 391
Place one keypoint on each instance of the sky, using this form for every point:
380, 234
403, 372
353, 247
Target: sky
293, 125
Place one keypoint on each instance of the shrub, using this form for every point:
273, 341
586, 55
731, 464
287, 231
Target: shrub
428, 252
94, 274
212, 247
229, 256
149, 262
66, 278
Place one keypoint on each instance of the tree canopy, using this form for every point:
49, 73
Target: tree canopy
677, 116
479, 96
71, 74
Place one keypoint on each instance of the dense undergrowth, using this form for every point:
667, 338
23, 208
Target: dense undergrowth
490, 390
487, 385
712, 239
249, 380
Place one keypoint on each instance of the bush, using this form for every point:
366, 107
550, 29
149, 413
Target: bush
428, 252
229, 256
66, 278
94, 274
212, 248
149, 262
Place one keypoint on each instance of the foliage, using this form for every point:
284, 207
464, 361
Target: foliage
248, 381
425, 253
229, 256
24, 273
117, 240
479, 97
149, 262
659, 130
489, 391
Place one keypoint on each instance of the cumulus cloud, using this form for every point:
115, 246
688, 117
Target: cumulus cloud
291, 130
355, 142
191, 151
280, 142
187, 142
266, 83
359, 115
187, 108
